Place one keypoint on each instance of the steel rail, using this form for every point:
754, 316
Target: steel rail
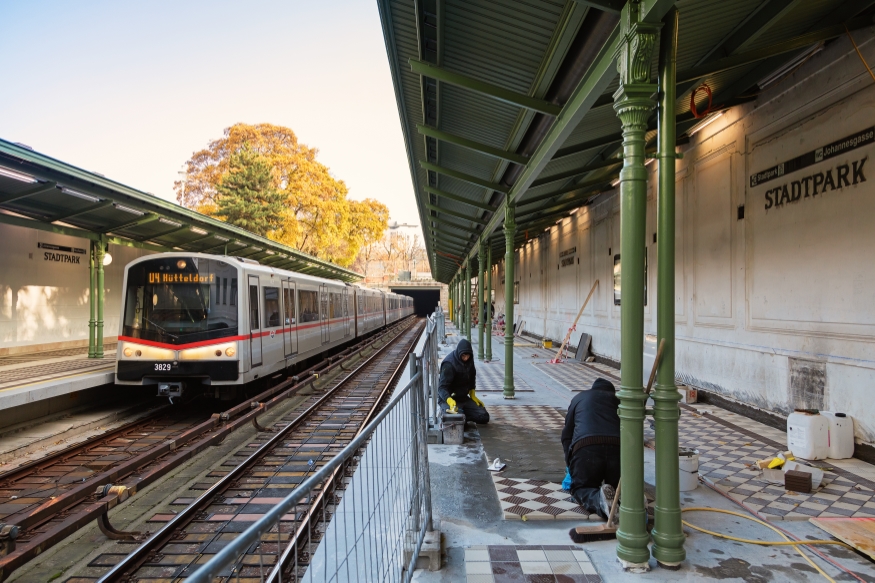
181, 449
306, 523
135, 559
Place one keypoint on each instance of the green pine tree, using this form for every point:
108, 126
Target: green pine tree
246, 195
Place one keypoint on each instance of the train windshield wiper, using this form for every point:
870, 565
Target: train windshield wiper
163, 331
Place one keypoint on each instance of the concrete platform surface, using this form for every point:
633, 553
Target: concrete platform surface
482, 545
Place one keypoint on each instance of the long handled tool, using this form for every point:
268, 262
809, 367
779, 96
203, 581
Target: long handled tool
559, 358
608, 530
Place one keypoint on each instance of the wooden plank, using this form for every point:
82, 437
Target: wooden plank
857, 532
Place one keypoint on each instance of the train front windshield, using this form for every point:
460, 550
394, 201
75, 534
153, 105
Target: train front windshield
181, 300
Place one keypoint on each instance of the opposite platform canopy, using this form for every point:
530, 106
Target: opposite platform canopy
39, 192
512, 100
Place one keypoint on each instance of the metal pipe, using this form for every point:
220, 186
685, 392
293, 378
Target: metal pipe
668, 536
633, 105
480, 315
489, 302
509, 232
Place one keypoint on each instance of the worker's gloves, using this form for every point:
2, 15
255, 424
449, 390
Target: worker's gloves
452, 403
473, 395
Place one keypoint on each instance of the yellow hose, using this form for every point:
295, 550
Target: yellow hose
785, 542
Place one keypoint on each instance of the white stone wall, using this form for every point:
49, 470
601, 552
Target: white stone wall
44, 303
786, 285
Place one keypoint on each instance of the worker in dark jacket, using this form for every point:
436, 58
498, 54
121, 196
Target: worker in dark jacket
591, 441
457, 384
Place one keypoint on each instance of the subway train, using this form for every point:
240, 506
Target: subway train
193, 322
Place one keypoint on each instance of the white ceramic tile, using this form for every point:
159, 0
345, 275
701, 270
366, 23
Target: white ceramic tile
531, 555
476, 555
478, 568
535, 567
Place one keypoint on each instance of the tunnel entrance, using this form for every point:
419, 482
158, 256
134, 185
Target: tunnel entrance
425, 300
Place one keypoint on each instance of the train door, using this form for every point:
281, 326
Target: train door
254, 323
346, 318
324, 314
272, 325
290, 326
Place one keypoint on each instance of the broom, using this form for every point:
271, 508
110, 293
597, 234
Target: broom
607, 531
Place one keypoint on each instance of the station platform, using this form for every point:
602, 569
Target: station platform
513, 525
33, 377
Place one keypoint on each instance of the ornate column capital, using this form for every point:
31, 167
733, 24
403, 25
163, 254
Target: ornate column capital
634, 56
509, 221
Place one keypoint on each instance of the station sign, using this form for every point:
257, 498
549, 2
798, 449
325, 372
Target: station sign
60, 253
848, 173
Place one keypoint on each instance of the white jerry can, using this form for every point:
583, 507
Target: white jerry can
808, 435
841, 435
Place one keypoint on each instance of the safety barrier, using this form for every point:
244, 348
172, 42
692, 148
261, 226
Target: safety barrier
373, 519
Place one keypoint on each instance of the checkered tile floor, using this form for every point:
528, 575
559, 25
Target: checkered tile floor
573, 377
539, 417
726, 451
490, 379
537, 500
532, 564
534, 499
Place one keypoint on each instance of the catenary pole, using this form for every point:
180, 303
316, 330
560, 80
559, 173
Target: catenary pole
468, 301
481, 260
488, 303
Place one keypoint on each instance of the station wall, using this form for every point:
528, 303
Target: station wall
774, 307
44, 291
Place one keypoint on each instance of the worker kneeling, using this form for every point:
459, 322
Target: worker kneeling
591, 441
457, 383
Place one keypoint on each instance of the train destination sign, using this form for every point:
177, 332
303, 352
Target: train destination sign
193, 278
826, 152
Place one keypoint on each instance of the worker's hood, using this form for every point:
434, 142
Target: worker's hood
464, 347
601, 384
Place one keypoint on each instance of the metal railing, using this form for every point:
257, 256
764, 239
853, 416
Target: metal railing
373, 520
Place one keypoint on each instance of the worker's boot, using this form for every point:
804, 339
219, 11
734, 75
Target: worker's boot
606, 498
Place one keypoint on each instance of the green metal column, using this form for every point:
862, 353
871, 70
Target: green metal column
509, 233
633, 105
488, 303
481, 262
92, 301
668, 536
101, 296
468, 301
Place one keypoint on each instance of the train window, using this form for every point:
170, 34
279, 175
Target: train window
308, 306
218, 291
233, 291
253, 306
225, 291
271, 307
289, 303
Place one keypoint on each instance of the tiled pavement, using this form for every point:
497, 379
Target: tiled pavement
727, 451
574, 377
490, 379
531, 564
533, 499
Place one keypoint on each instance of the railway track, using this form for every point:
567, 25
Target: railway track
263, 473
43, 502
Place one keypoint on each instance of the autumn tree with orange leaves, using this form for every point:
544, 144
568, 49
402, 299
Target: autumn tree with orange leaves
317, 217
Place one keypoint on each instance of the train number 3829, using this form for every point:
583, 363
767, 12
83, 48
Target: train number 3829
162, 366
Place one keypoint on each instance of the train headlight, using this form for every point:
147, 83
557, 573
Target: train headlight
211, 352
133, 350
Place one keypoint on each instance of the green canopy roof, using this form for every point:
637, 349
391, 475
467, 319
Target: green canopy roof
512, 100
39, 192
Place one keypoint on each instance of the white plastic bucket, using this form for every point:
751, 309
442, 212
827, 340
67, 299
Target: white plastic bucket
688, 466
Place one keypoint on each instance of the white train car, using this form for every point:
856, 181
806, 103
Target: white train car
192, 321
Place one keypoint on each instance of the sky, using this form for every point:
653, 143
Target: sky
132, 89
